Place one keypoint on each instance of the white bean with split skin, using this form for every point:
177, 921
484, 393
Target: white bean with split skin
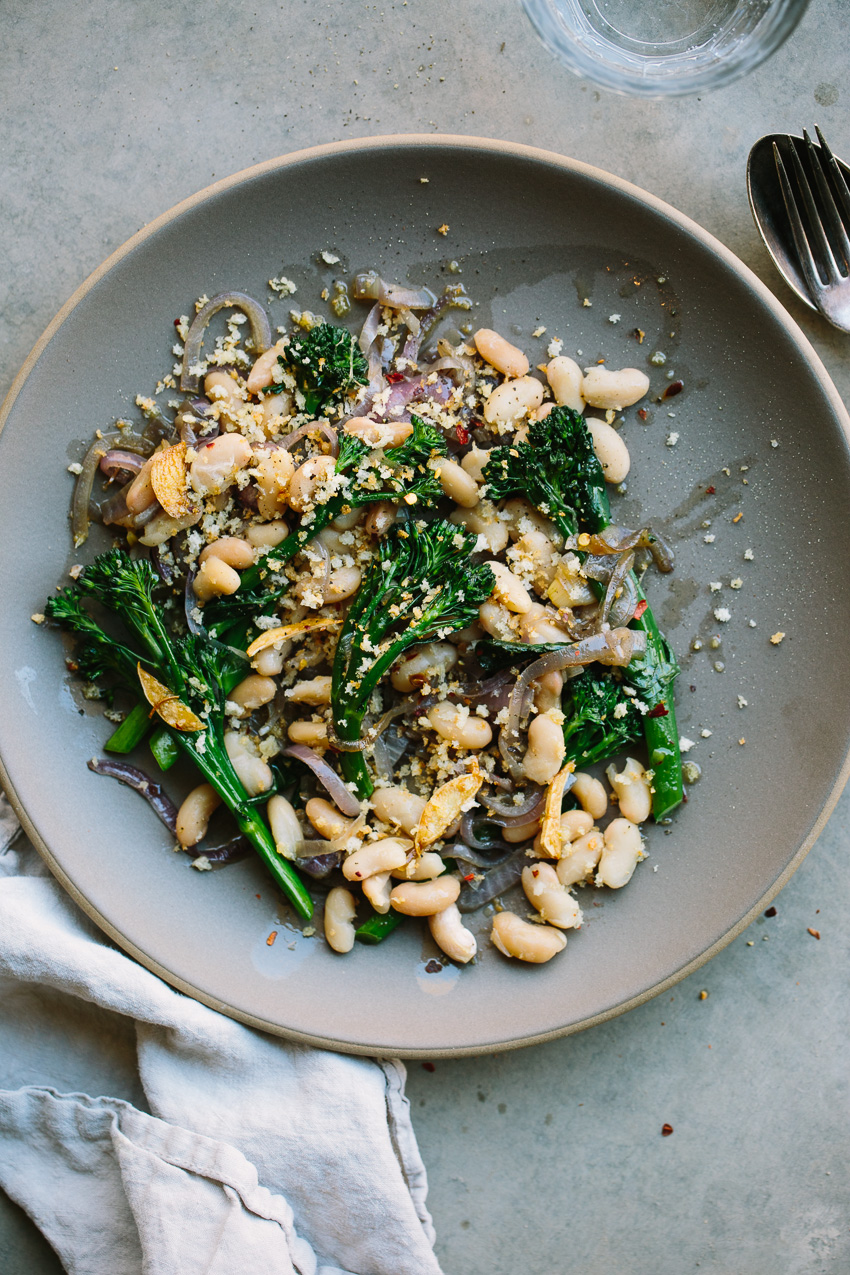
509, 589
631, 784
285, 826
251, 693
524, 940
377, 890
552, 900
270, 661
377, 856
254, 774
454, 723
424, 898
613, 390
565, 379
513, 399
580, 857
611, 452
195, 813
590, 794
217, 463
541, 624
499, 353
451, 935
314, 690
424, 868
339, 919
546, 749
621, 853
547, 692
427, 663
456, 483
397, 805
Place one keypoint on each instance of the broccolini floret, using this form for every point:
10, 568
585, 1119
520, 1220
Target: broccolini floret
421, 583
327, 364
600, 719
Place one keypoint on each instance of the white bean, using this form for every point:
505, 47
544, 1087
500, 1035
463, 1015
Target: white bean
568, 587
314, 690
524, 940
474, 461
535, 553
499, 353
424, 868
265, 535
377, 890
495, 619
521, 517
399, 806
631, 784
339, 919
270, 661
194, 814
579, 859
424, 898
521, 435
376, 856
326, 819
342, 584
426, 663
590, 794
483, 520
381, 517
546, 750
547, 691
451, 935
214, 578
378, 433
509, 589
565, 379
308, 480
253, 773
221, 388
260, 375
233, 550
613, 390
162, 527
552, 900
621, 854
513, 399
517, 833
456, 483
140, 494
454, 723
217, 463
252, 692
285, 826
273, 413
611, 452
313, 734
345, 522
541, 624
274, 475
575, 824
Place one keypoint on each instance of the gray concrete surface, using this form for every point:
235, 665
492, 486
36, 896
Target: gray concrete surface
551, 1159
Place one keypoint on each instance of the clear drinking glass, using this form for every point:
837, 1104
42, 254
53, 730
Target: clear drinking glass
663, 47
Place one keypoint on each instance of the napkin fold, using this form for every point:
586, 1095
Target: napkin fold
218, 1149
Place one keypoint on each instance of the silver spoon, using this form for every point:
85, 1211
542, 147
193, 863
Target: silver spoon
769, 211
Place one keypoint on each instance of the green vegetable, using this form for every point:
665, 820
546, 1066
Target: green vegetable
200, 671
165, 751
422, 582
131, 732
558, 471
327, 364
593, 731
378, 927
399, 473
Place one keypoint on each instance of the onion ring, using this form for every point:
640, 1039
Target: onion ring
261, 333
345, 800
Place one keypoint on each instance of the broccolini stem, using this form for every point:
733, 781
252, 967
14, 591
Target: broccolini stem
662, 736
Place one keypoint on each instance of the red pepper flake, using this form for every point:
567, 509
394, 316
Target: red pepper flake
270, 940
177, 323
666, 1130
395, 377
257, 896
433, 967
428, 1067
462, 434
709, 491
660, 710
814, 933
470, 876
640, 608
674, 388
770, 912
642, 413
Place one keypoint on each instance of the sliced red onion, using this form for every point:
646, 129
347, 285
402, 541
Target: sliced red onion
192, 424
80, 514
507, 813
313, 427
465, 854
190, 603
345, 800
616, 540
147, 515
475, 894
141, 783
261, 333
468, 824
413, 390
369, 331
320, 865
369, 286
162, 568
116, 462
232, 851
616, 586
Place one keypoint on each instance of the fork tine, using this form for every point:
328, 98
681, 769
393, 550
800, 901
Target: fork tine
830, 214
839, 180
801, 243
816, 230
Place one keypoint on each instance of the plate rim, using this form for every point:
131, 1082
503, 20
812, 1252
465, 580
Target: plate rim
505, 149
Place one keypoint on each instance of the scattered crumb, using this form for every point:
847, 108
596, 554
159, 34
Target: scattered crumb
814, 933
270, 940
703, 995
424, 180
742, 703
738, 517
75, 468
742, 741
587, 301
705, 734
774, 442
748, 555
777, 638
723, 614
329, 258
444, 229
672, 439
715, 585
737, 583
555, 347
685, 744
709, 539
538, 332
751, 623
614, 318
38, 618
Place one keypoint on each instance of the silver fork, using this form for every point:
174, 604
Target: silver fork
820, 226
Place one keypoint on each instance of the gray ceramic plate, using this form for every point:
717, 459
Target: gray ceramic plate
761, 432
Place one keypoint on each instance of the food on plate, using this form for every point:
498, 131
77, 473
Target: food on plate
371, 588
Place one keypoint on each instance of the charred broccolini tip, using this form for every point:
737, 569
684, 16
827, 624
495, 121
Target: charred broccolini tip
600, 718
327, 364
422, 583
198, 670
